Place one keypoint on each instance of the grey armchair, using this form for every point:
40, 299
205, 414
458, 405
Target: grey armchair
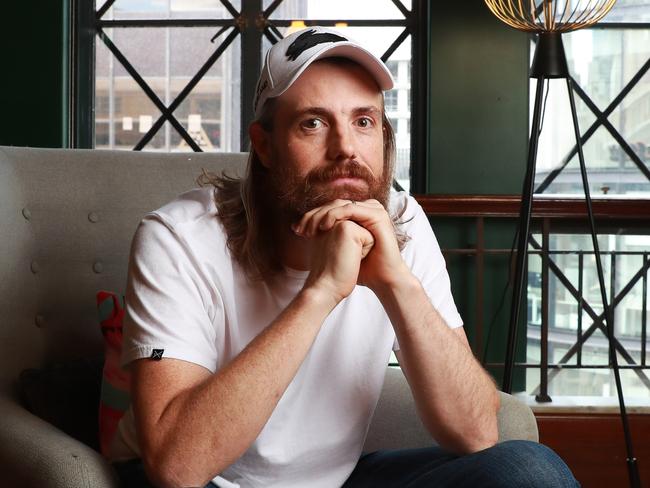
67, 219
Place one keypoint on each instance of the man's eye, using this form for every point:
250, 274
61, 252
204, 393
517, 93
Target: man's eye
364, 122
312, 124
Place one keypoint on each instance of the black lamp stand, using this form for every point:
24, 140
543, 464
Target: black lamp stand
550, 62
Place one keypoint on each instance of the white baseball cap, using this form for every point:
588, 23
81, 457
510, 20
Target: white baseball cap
289, 57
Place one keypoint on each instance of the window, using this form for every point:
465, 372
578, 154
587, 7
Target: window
610, 66
179, 75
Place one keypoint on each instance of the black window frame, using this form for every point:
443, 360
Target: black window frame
252, 23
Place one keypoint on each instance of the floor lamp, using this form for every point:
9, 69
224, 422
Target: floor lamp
549, 19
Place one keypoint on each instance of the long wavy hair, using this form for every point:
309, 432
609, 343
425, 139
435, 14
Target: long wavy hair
245, 209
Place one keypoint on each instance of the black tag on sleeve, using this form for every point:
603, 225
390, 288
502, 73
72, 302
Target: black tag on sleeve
157, 354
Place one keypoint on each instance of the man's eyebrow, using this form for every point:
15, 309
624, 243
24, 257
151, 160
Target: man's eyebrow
370, 109
322, 111
314, 111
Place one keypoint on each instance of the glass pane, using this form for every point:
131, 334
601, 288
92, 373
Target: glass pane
629, 11
602, 62
201, 113
197, 9
103, 57
628, 315
123, 113
398, 109
168, 61
160, 142
163, 9
137, 9
190, 48
336, 9
607, 174
557, 138
605, 60
145, 50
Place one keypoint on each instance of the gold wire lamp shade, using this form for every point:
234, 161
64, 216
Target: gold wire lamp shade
549, 19
550, 15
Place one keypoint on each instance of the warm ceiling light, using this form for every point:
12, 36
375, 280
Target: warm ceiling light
295, 26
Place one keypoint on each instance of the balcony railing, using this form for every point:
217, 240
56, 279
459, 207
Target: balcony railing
558, 216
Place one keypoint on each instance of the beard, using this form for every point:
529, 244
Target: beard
295, 194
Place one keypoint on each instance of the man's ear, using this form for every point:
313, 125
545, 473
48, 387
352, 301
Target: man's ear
261, 142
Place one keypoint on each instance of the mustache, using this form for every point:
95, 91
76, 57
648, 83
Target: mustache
350, 169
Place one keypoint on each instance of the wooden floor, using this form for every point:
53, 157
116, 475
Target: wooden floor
593, 446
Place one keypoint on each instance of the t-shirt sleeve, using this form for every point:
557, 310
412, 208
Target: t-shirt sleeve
422, 253
168, 303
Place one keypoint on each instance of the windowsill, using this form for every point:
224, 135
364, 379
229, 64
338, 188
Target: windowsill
585, 404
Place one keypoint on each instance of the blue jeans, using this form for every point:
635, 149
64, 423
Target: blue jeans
508, 464
516, 464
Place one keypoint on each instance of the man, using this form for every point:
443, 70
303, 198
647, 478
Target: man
261, 315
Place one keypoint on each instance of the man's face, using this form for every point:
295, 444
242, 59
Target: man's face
327, 140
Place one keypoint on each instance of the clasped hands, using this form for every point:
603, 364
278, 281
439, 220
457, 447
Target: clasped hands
352, 243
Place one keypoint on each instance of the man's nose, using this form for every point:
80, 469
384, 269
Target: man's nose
341, 145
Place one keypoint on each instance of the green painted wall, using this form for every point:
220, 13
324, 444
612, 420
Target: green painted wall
479, 101
478, 145
32, 94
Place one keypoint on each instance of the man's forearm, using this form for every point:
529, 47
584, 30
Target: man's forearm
456, 398
207, 427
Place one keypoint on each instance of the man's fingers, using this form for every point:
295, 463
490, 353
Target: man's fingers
309, 224
363, 213
367, 245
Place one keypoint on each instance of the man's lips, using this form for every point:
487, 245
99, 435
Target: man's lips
346, 180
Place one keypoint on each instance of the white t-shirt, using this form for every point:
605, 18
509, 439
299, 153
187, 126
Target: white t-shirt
188, 297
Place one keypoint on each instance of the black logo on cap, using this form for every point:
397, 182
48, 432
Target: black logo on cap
308, 40
157, 354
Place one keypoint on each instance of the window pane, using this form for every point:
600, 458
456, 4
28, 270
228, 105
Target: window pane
629, 11
167, 59
202, 8
603, 62
128, 9
123, 113
563, 310
336, 9
162, 9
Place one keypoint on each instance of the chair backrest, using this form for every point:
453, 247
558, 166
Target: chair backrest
67, 218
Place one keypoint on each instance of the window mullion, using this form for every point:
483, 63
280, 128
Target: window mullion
420, 86
82, 77
251, 63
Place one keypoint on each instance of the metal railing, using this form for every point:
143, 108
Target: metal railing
558, 216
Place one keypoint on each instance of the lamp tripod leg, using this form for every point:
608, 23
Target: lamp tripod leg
521, 278
633, 469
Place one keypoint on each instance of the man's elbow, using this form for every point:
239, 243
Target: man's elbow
488, 434
486, 439
481, 435
170, 472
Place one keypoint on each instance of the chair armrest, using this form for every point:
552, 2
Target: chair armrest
396, 424
516, 420
35, 454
